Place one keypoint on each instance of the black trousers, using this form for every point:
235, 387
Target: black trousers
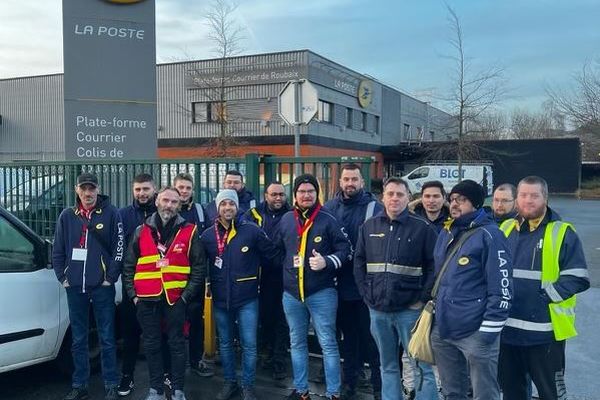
274, 332
545, 364
130, 332
150, 314
195, 314
358, 345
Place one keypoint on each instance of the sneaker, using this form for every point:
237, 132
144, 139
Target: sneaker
110, 393
77, 394
295, 395
203, 369
228, 390
167, 381
279, 372
154, 395
178, 395
248, 393
125, 386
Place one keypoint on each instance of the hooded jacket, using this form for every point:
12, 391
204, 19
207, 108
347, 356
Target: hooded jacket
246, 201
475, 292
196, 256
438, 223
351, 213
104, 246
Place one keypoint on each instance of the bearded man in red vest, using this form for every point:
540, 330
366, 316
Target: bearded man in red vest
164, 268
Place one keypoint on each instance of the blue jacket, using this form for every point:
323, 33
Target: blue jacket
246, 200
476, 290
327, 237
531, 301
393, 263
235, 283
194, 213
499, 220
351, 213
133, 216
104, 258
438, 224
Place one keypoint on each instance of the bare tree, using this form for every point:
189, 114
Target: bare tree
473, 94
526, 124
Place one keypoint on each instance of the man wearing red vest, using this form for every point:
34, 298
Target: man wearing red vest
164, 267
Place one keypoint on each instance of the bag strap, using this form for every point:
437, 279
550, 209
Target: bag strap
451, 254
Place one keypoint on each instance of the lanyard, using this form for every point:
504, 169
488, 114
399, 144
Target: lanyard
86, 216
221, 241
301, 229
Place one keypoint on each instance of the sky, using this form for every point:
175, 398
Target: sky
402, 43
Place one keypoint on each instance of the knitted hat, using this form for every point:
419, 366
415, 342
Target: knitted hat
306, 178
227, 194
471, 190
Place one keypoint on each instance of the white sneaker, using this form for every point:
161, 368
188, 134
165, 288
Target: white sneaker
153, 395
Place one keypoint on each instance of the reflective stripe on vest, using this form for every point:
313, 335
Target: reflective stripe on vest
562, 312
257, 217
150, 280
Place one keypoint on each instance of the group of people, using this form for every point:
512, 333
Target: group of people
358, 269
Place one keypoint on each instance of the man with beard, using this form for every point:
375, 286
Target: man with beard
472, 261
431, 205
352, 206
273, 329
163, 270
504, 204
194, 213
315, 249
550, 269
233, 180
86, 257
144, 197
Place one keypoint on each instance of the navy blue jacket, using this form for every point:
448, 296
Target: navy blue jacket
246, 200
194, 213
236, 282
134, 215
393, 263
104, 259
531, 301
476, 290
327, 237
438, 224
499, 220
351, 213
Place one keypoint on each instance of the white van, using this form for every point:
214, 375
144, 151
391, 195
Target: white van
448, 175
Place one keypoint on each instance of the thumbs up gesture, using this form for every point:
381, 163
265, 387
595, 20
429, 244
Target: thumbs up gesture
316, 262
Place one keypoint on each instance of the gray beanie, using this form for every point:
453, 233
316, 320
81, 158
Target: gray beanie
227, 194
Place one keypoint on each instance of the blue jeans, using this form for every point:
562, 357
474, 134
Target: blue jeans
322, 308
390, 330
457, 359
102, 299
247, 318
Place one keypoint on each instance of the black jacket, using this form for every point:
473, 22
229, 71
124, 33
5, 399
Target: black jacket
327, 237
197, 259
393, 263
352, 213
194, 214
134, 215
438, 224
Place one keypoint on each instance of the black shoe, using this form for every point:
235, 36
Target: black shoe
248, 394
110, 393
77, 394
298, 396
125, 386
167, 382
228, 390
203, 369
279, 372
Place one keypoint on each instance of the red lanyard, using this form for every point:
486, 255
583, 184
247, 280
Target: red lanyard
307, 224
86, 217
221, 241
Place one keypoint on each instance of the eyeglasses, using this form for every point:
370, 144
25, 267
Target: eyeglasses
303, 192
458, 199
502, 201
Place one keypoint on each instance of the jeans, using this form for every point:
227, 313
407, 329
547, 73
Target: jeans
321, 307
458, 358
150, 314
247, 318
390, 331
102, 299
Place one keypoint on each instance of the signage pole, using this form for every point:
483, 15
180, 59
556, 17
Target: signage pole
298, 118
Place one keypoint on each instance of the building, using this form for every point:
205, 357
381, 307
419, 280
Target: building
195, 97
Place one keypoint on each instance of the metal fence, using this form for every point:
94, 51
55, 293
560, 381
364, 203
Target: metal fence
38, 192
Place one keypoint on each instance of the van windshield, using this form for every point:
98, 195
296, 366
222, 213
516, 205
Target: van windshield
422, 172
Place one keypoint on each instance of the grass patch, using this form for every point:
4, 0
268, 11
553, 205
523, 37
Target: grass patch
590, 189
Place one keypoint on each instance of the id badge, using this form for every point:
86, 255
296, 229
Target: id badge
162, 263
298, 262
79, 254
218, 262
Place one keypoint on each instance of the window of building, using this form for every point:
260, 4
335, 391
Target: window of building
325, 112
365, 126
213, 111
432, 134
406, 132
349, 118
377, 124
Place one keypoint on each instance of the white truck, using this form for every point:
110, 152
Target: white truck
34, 316
448, 174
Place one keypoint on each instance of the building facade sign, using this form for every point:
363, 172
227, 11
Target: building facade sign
110, 79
